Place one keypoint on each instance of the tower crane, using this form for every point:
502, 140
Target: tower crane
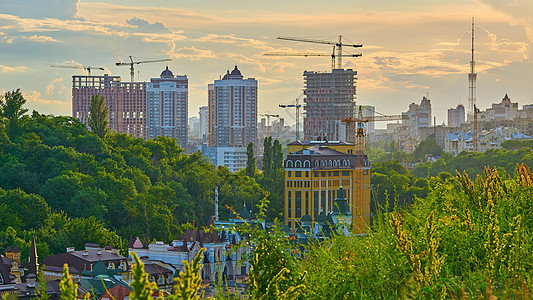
86, 68
306, 54
131, 63
268, 115
360, 120
297, 106
337, 45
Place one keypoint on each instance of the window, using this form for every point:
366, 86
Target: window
289, 173
298, 204
306, 203
160, 280
315, 203
323, 200
298, 173
306, 173
335, 173
323, 173
345, 173
316, 174
289, 205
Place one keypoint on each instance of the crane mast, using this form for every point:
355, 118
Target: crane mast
131, 63
297, 106
338, 45
268, 115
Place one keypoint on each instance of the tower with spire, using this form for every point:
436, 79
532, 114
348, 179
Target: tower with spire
472, 76
33, 263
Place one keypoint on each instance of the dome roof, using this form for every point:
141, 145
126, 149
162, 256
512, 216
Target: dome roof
236, 71
167, 73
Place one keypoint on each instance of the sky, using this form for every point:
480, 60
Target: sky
411, 48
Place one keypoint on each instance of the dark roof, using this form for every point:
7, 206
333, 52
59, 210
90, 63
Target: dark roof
82, 262
237, 72
326, 143
71, 270
306, 218
12, 249
321, 217
156, 270
4, 272
100, 268
193, 235
92, 245
6, 261
340, 206
167, 73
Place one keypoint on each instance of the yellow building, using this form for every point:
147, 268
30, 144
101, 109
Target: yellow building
315, 170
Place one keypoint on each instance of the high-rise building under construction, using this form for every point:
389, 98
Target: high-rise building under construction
329, 97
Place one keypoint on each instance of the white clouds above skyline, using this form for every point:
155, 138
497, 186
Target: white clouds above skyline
409, 49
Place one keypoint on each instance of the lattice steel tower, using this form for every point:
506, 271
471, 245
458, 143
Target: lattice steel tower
472, 76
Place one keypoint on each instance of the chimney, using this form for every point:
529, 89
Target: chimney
85, 253
31, 279
70, 249
99, 251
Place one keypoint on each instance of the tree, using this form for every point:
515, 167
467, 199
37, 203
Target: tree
11, 109
428, 146
98, 116
267, 155
277, 156
250, 162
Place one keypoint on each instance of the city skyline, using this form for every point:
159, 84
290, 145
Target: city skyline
409, 49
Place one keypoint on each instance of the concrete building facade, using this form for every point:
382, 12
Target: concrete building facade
167, 107
329, 97
126, 102
456, 116
232, 103
419, 115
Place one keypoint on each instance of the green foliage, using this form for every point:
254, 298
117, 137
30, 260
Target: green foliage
428, 146
98, 121
142, 287
12, 112
250, 160
188, 284
40, 289
69, 290
267, 155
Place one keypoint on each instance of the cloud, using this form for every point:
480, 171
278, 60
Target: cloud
142, 25
40, 38
191, 53
58, 82
35, 96
6, 69
518, 11
39, 9
232, 39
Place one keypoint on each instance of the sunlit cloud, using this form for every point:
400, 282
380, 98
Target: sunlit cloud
191, 53
40, 38
6, 69
56, 83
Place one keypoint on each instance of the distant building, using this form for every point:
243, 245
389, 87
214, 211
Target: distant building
234, 158
232, 110
419, 115
126, 102
167, 107
505, 110
314, 172
329, 97
456, 116
203, 113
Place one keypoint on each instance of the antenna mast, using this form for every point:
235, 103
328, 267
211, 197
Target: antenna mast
472, 80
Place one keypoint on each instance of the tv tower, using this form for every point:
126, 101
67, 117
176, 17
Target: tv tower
472, 76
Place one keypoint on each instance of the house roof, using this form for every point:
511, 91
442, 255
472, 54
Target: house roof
118, 292
4, 272
100, 283
82, 262
156, 270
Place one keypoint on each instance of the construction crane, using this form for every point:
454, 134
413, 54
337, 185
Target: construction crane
86, 68
131, 63
475, 128
268, 115
337, 45
306, 54
297, 106
360, 120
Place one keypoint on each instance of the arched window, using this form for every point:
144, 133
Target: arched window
317, 164
289, 164
160, 280
307, 164
338, 163
111, 266
298, 164
323, 163
330, 163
